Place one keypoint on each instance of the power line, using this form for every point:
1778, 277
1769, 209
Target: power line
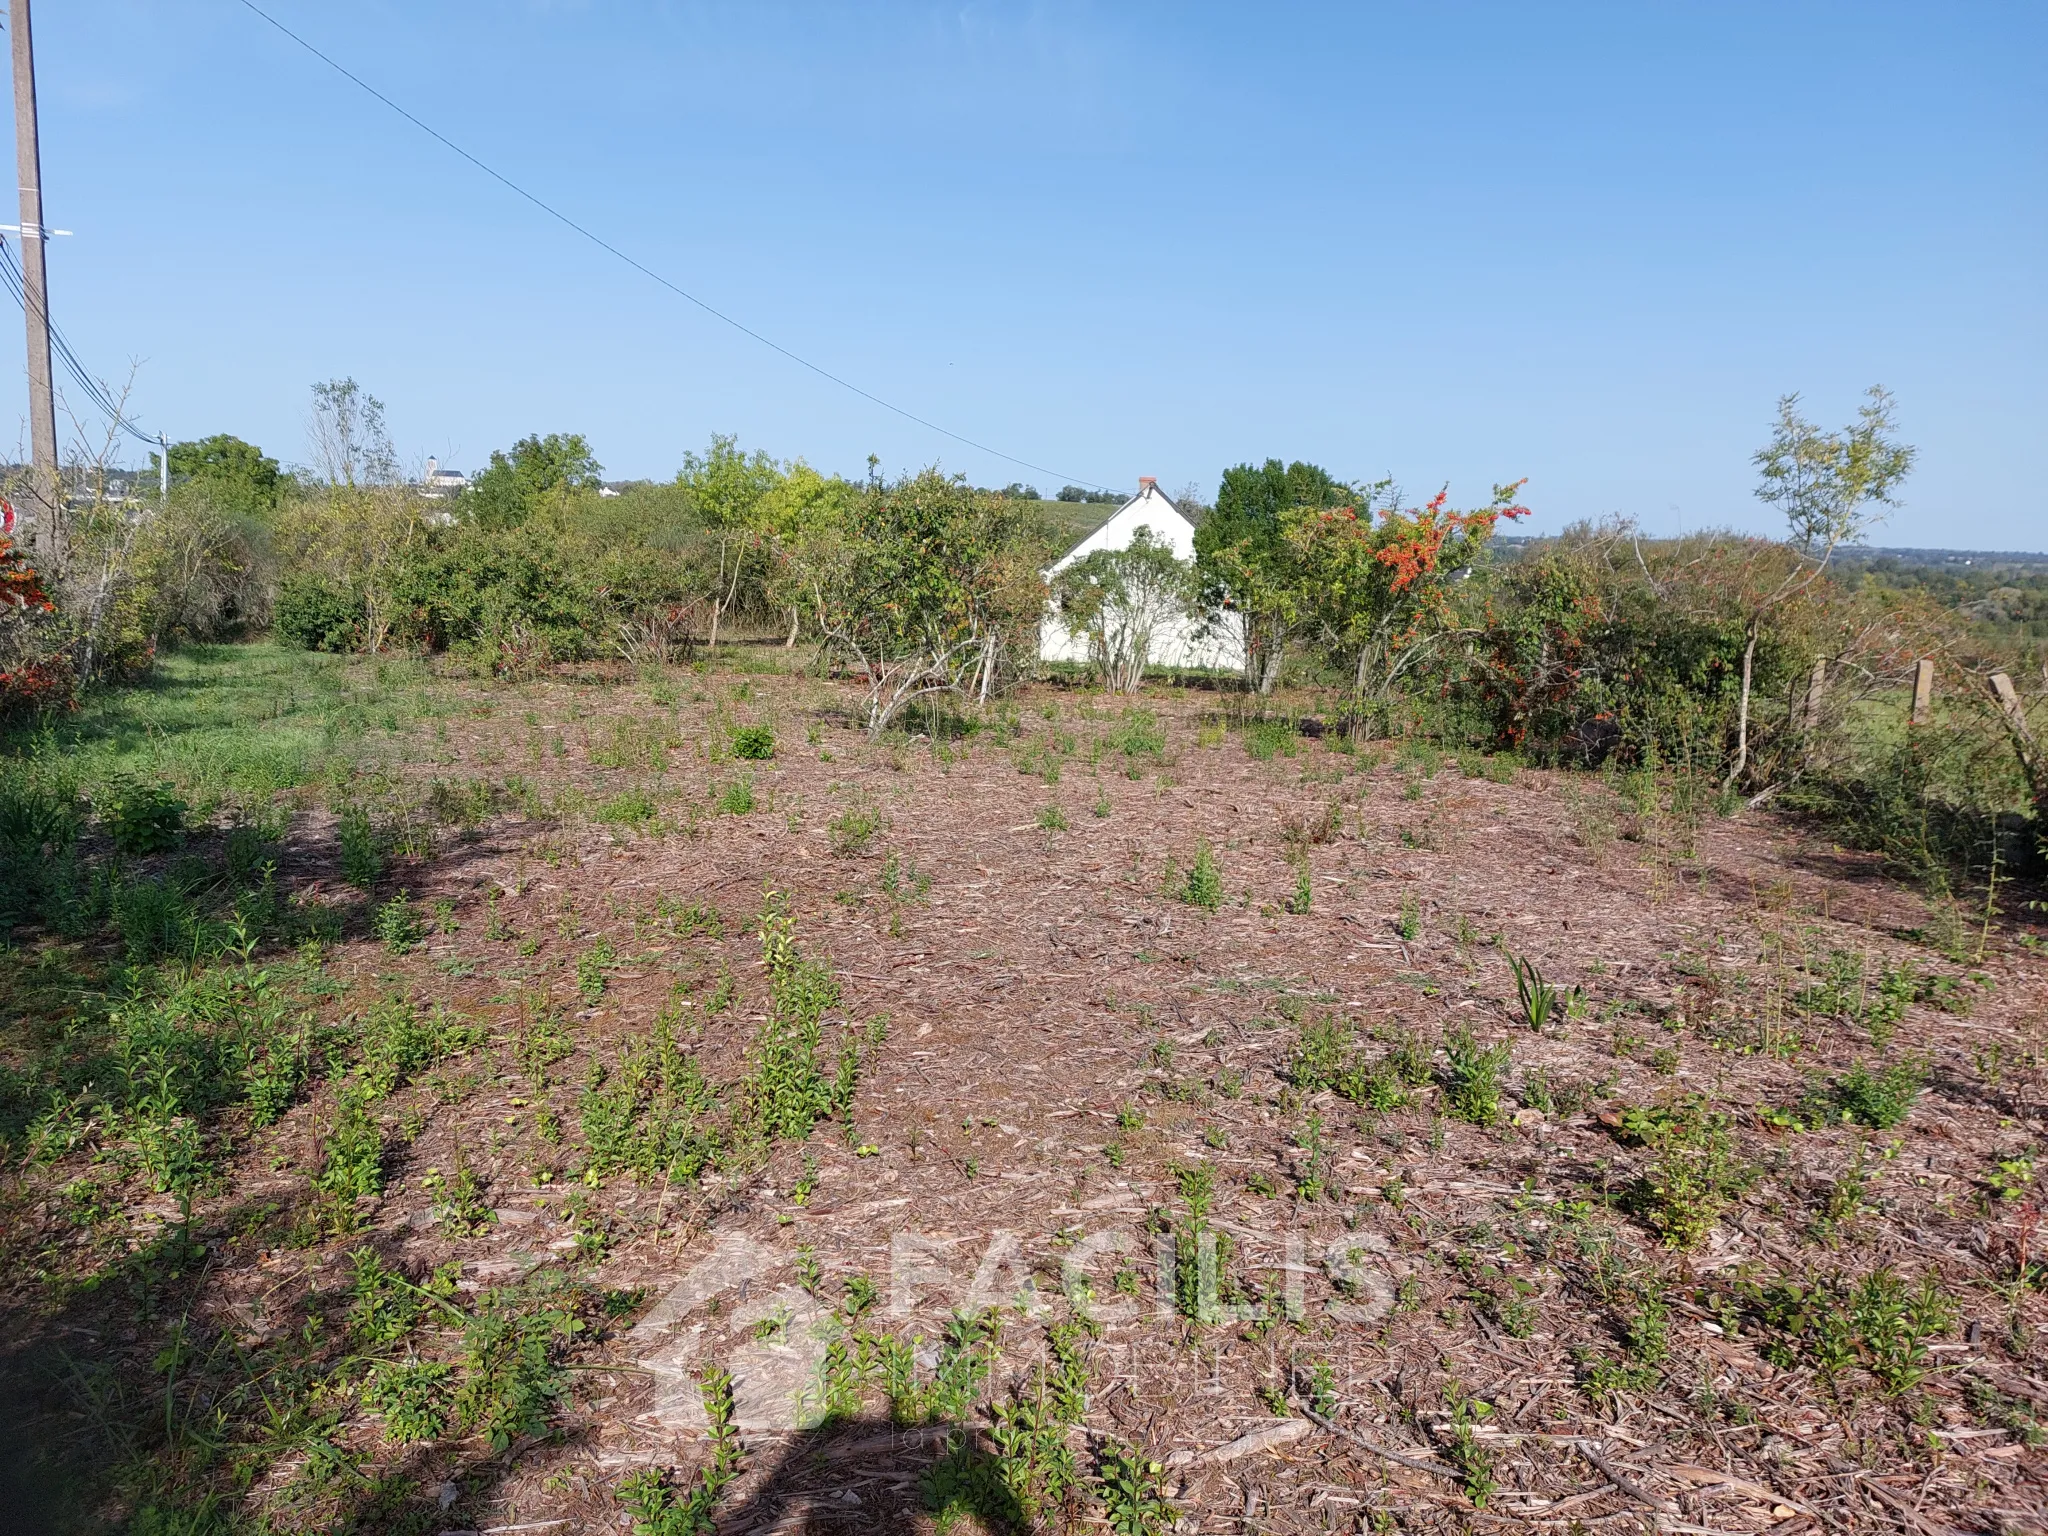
96, 392
648, 272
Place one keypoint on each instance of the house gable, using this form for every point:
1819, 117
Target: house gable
1148, 509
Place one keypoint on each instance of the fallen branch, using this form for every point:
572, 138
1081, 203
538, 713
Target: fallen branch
1627, 1485
1712, 1480
1435, 1468
1266, 1438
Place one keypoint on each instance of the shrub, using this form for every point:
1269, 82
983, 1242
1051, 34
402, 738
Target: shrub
142, 818
317, 615
755, 743
35, 687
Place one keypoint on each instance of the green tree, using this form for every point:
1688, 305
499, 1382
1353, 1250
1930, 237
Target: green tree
1380, 592
1116, 599
237, 477
349, 440
1243, 558
1830, 486
729, 489
930, 579
804, 517
510, 488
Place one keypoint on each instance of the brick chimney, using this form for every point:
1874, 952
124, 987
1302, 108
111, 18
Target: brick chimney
1147, 483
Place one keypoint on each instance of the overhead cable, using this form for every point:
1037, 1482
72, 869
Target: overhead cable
96, 392
648, 272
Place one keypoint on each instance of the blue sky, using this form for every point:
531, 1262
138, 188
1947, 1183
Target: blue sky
1589, 244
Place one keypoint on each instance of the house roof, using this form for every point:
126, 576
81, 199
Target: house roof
1148, 509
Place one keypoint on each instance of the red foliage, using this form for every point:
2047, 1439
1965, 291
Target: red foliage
35, 686
19, 587
1421, 535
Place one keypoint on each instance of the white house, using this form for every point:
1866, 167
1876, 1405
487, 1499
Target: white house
1177, 639
438, 482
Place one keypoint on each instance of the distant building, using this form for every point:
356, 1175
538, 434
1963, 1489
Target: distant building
1178, 639
438, 482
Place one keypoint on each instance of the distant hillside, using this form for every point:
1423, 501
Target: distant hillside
1991, 561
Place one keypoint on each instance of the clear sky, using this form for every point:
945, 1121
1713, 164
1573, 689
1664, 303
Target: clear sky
1585, 243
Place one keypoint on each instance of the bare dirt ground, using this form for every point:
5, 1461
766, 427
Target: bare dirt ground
1438, 1324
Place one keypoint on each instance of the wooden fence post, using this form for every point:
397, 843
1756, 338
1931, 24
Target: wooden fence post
1809, 716
1923, 691
2015, 713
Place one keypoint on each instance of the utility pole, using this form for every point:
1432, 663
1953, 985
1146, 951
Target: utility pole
46, 498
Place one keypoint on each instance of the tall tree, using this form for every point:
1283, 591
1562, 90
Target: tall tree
350, 445
1244, 561
804, 517
1830, 486
237, 477
509, 489
728, 488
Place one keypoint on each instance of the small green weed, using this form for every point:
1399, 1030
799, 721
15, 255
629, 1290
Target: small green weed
1304, 895
1540, 1001
753, 743
362, 853
398, 925
630, 808
658, 1507
1477, 1075
853, 829
1408, 923
591, 967
1203, 886
1878, 1099
142, 818
1694, 1171
1133, 1491
412, 1397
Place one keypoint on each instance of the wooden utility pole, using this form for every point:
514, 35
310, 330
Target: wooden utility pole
46, 496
